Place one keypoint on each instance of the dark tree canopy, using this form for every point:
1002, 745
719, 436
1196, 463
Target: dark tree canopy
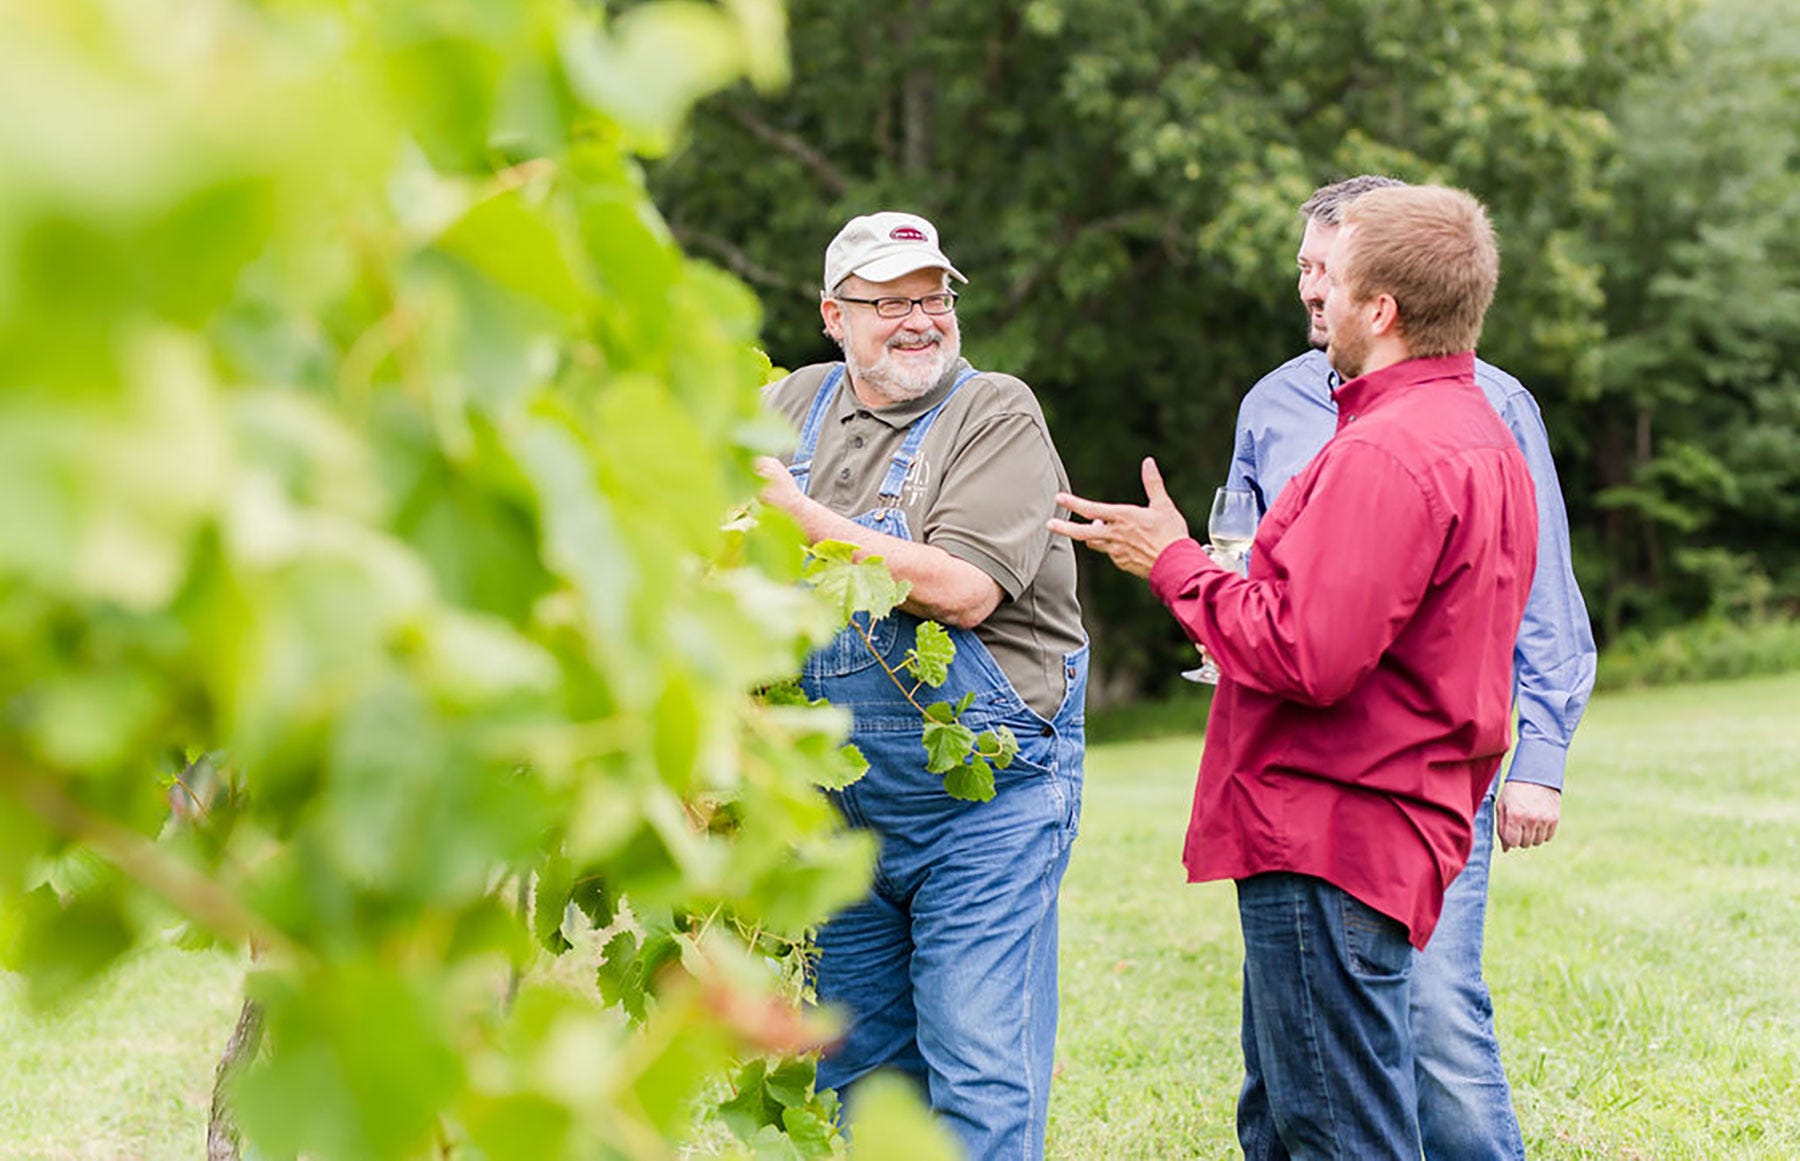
1120, 183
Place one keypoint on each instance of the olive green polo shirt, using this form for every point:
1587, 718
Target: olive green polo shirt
983, 486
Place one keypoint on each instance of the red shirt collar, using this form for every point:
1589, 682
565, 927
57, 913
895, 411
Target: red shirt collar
1366, 392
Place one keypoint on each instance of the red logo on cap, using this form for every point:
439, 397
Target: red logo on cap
907, 234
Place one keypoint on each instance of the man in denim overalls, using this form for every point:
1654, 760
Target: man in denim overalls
947, 969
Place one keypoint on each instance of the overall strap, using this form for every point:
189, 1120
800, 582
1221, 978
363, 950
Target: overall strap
915, 436
801, 468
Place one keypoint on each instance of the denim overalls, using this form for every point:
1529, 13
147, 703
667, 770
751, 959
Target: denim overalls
947, 969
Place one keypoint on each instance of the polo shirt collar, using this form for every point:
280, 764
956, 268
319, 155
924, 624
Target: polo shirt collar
900, 415
1366, 392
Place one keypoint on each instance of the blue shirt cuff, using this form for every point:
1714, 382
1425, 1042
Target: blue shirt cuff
1539, 762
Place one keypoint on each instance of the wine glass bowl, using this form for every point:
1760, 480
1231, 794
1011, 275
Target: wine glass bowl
1230, 528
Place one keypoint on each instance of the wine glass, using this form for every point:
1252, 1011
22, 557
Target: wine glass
1230, 527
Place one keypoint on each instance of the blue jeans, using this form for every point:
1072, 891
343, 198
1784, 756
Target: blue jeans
1328, 1066
1465, 1106
946, 970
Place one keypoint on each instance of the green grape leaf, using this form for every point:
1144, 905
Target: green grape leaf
852, 768
848, 586
947, 745
998, 746
833, 551
785, 692
811, 1133
518, 1127
550, 901
932, 652
517, 246
620, 975
1009, 748
972, 781
964, 702
772, 1143
790, 1082
63, 946
596, 900
941, 711
747, 1112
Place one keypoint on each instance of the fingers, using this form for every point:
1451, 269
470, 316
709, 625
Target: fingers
1153, 484
769, 468
1092, 509
1535, 834
1086, 533
1519, 831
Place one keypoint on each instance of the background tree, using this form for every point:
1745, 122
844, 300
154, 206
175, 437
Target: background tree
1695, 433
1120, 181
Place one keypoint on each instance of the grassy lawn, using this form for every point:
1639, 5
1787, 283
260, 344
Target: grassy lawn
124, 1072
1642, 964
1643, 967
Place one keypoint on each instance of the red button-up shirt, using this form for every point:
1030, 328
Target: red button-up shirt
1367, 658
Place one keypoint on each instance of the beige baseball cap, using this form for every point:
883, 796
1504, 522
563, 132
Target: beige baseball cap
882, 246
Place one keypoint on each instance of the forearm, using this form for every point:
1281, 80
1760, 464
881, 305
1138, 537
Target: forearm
943, 587
1554, 660
1249, 636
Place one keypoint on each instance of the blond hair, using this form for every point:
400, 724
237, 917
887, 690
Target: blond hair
1432, 249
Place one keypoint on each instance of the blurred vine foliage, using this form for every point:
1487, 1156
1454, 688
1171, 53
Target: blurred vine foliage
366, 452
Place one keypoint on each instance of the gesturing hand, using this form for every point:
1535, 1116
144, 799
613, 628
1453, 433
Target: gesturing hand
1131, 535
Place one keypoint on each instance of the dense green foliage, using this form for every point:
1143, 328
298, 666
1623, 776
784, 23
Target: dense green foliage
1120, 181
1704, 649
1695, 435
368, 447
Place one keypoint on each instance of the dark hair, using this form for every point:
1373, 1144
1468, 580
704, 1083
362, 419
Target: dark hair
1326, 206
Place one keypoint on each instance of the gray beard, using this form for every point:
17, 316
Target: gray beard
885, 379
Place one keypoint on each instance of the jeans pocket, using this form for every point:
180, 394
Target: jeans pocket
1376, 944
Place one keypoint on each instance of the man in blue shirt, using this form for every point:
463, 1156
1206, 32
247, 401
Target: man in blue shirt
1465, 1105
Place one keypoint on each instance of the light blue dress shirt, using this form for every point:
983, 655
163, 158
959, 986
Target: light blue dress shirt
1290, 414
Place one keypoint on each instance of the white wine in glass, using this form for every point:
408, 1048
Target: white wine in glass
1230, 528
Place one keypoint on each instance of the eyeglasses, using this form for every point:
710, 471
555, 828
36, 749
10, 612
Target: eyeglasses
943, 302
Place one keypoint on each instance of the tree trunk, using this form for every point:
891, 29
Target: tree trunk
246, 1038
915, 97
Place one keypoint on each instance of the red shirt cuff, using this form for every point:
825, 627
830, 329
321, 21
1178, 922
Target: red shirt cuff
1175, 566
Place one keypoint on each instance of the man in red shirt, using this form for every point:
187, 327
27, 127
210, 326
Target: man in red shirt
1367, 664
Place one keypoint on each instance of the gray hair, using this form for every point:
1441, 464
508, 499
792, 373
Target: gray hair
1326, 206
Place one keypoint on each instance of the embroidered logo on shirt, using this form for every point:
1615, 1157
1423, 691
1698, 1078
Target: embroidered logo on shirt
918, 478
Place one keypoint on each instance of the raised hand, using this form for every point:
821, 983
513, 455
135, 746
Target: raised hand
1133, 536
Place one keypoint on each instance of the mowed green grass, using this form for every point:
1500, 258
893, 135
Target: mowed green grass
125, 1071
1645, 966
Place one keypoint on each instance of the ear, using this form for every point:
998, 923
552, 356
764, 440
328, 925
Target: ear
1384, 315
832, 312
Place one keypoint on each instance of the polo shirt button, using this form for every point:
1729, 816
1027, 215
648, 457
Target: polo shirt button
844, 475
858, 441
